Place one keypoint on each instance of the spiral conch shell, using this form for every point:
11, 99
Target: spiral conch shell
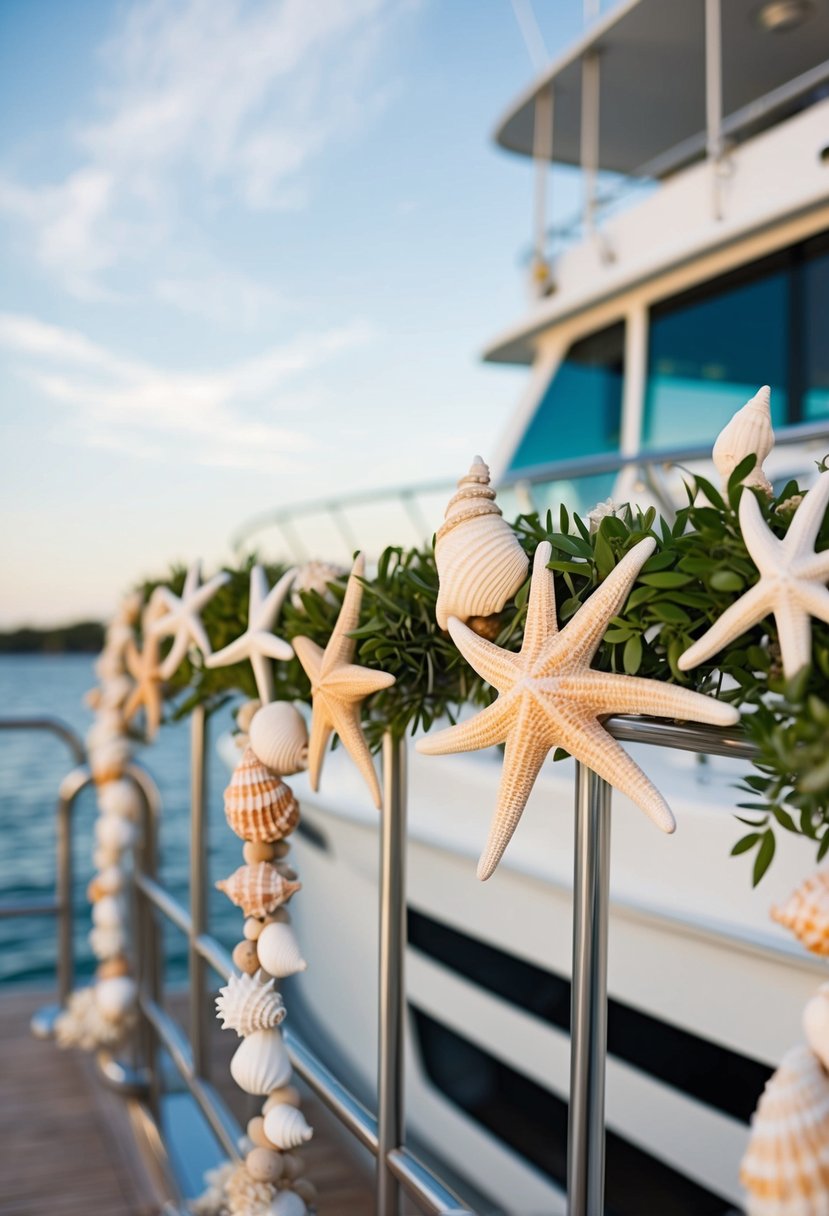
786, 1166
806, 913
258, 889
286, 1127
260, 1062
249, 1003
748, 432
258, 805
279, 737
479, 560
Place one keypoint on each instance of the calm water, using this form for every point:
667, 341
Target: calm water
31, 768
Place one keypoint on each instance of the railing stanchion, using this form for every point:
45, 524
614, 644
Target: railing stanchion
588, 1022
198, 889
66, 957
391, 971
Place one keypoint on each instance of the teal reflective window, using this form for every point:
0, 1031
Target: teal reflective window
581, 410
815, 331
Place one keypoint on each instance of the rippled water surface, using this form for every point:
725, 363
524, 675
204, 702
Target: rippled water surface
31, 768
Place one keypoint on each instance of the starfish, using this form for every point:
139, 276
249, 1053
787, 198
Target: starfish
549, 696
338, 686
792, 585
257, 643
144, 668
182, 616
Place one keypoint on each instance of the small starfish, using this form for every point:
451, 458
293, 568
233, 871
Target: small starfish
182, 616
144, 668
338, 686
257, 643
549, 696
792, 585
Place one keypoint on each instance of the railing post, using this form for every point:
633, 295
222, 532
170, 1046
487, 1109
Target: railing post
713, 96
198, 889
588, 1021
66, 957
391, 971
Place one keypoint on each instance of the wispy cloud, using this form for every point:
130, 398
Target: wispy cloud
222, 417
240, 98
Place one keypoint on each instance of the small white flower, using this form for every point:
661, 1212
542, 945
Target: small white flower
600, 512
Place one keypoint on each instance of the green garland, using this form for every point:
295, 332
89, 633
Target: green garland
700, 567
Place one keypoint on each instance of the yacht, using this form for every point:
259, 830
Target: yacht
696, 270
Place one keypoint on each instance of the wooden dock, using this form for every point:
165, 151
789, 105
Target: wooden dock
69, 1145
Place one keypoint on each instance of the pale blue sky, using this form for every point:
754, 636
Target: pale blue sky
251, 252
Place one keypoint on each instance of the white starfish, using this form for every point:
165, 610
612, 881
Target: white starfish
792, 585
182, 616
339, 686
257, 643
549, 696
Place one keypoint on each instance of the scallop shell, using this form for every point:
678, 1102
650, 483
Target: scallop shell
479, 560
806, 913
286, 1127
249, 1003
259, 806
786, 1166
816, 1024
115, 997
258, 889
748, 432
279, 737
278, 950
120, 798
260, 1062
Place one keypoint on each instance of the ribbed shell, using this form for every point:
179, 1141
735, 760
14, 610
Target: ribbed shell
806, 913
287, 1127
279, 737
749, 432
786, 1166
278, 951
816, 1024
480, 562
258, 805
120, 798
258, 889
249, 1003
260, 1062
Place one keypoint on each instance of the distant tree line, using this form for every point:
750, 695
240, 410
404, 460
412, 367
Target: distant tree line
86, 637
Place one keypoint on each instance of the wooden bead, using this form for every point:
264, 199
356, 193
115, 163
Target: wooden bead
305, 1188
253, 928
281, 849
255, 850
113, 968
286, 1095
246, 958
291, 1166
264, 1164
256, 1131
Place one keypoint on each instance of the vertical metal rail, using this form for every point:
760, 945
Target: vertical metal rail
588, 1022
713, 96
589, 150
391, 974
543, 156
198, 889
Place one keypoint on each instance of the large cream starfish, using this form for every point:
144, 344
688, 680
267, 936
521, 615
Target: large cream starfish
182, 616
792, 585
338, 686
549, 696
144, 668
257, 643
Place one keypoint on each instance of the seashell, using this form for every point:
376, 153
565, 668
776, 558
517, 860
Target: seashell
108, 725
260, 1063
114, 691
264, 1164
245, 713
81, 1024
257, 889
109, 760
112, 833
286, 1127
259, 805
806, 913
286, 1095
241, 1195
121, 798
479, 560
279, 738
315, 576
108, 912
110, 880
749, 432
249, 1003
306, 1190
106, 942
786, 1165
245, 957
113, 967
117, 637
278, 950
816, 1024
287, 1203
115, 996
104, 857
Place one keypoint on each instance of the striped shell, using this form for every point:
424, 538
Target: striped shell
278, 950
260, 1062
279, 737
786, 1166
286, 1127
249, 1003
816, 1024
257, 889
806, 913
480, 562
258, 805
